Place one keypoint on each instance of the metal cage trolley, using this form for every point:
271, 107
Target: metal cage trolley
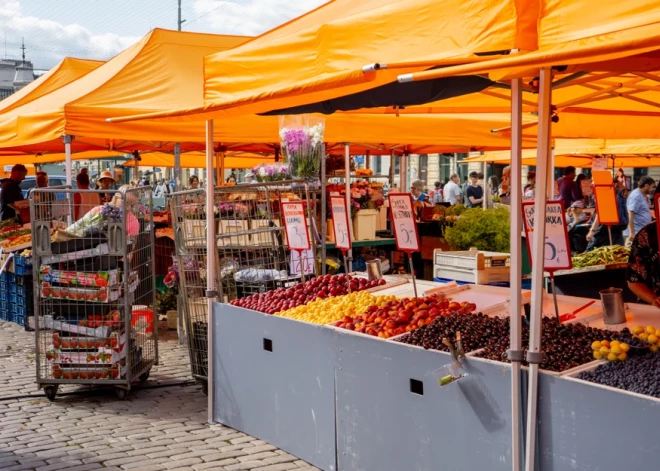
252, 255
94, 294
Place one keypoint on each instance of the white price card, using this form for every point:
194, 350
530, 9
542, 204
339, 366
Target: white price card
340, 223
403, 221
302, 262
297, 236
557, 254
599, 163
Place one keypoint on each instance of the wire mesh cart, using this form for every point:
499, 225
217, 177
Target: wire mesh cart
251, 251
94, 294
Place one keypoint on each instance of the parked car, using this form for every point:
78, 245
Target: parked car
54, 180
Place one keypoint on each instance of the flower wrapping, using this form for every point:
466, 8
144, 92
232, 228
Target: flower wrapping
302, 144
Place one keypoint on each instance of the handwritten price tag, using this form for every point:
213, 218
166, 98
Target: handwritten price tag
340, 223
403, 220
297, 236
557, 254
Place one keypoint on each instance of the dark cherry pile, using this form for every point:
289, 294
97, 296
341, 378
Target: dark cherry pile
636, 374
324, 286
565, 346
477, 331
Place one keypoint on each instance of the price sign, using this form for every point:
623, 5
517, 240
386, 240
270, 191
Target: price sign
606, 207
297, 237
557, 254
302, 262
340, 223
599, 163
403, 220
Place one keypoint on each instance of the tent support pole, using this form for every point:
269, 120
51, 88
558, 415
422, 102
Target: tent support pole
219, 159
178, 184
324, 209
211, 292
515, 351
347, 170
534, 352
67, 152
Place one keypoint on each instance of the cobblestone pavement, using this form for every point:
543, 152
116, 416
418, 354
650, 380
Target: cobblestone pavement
161, 426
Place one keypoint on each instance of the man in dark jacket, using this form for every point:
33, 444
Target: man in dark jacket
10, 191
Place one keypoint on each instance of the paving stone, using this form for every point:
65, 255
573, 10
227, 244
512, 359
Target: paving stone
155, 429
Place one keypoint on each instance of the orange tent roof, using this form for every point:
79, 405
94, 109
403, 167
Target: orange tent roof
333, 50
164, 70
68, 70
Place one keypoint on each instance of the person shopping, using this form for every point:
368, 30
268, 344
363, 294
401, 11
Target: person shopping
452, 192
84, 201
10, 191
643, 272
474, 192
639, 212
417, 192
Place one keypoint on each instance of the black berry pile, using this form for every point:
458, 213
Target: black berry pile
477, 331
565, 346
636, 374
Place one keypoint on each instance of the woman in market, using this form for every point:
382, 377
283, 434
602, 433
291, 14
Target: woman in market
417, 192
193, 181
643, 274
231, 180
106, 182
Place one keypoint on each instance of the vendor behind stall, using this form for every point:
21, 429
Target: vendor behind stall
10, 191
643, 274
106, 182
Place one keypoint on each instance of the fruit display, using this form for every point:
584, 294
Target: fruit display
13, 232
364, 172
9, 224
565, 346
328, 310
476, 331
610, 351
649, 337
99, 279
607, 255
17, 241
400, 316
636, 374
322, 287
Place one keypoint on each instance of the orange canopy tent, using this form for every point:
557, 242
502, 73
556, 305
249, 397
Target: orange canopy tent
192, 159
384, 37
68, 70
163, 70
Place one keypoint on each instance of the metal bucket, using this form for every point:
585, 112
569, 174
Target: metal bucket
613, 308
373, 270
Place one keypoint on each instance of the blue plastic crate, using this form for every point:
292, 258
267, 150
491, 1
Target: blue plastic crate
24, 310
3, 276
24, 291
4, 286
4, 305
26, 301
20, 261
13, 289
13, 308
13, 298
4, 295
25, 270
4, 315
11, 278
20, 320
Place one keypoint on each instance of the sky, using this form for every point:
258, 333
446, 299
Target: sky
99, 29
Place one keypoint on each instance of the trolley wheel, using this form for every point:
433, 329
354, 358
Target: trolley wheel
144, 376
122, 393
51, 392
205, 388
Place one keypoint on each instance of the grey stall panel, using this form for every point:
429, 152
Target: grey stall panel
383, 426
285, 396
587, 428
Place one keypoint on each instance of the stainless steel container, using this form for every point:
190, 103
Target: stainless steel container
613, 309
373, 270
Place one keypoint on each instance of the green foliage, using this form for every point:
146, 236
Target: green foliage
487, 230
165, 301
455, 210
